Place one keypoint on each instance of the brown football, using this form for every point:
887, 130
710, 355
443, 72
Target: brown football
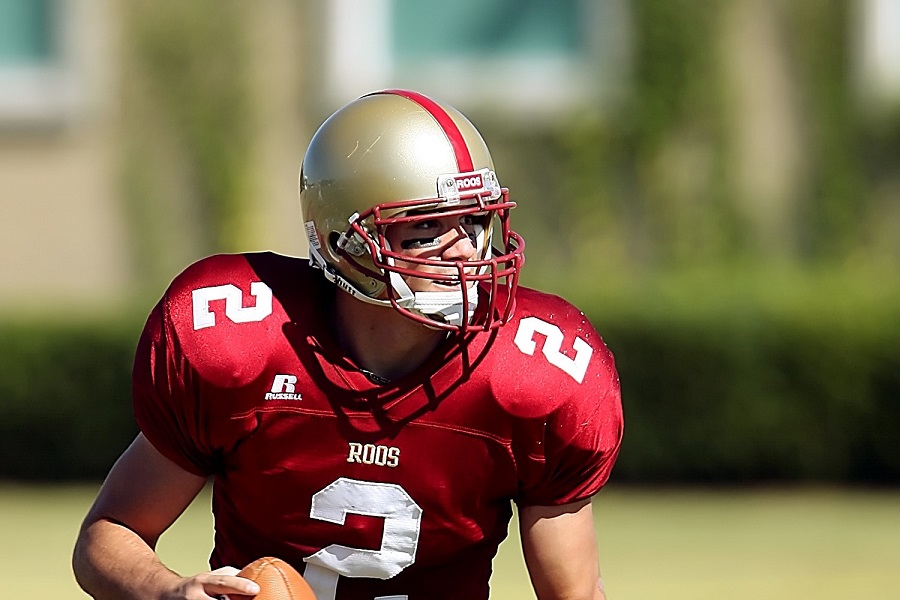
277, 581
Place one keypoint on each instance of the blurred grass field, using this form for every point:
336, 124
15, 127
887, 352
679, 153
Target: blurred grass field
671, 544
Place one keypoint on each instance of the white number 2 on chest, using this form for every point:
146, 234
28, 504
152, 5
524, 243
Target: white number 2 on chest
402, 526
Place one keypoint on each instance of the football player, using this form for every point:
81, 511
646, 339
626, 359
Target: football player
369, 415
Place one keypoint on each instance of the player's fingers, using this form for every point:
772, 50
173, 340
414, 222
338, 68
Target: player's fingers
231, 571
217, 584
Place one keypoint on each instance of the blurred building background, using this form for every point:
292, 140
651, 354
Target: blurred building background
136, 136
663, 152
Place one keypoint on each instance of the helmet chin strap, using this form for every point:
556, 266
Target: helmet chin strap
444, 307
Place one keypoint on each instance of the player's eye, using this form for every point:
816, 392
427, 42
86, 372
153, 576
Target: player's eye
472, 220
425, 235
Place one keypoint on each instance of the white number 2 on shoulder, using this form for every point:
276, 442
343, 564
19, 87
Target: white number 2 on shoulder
575, 367
234, 304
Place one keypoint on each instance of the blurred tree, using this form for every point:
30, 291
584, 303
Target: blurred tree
837, 193
740, 141
186, 129
674, 131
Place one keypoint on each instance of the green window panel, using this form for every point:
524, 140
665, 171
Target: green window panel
434, 29
27, 32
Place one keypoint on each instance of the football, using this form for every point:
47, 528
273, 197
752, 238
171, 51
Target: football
277, 581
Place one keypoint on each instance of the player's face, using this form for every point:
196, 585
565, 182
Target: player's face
436, 238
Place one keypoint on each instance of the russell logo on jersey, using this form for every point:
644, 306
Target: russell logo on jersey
284, 388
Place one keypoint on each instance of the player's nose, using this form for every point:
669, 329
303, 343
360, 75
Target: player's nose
460, 245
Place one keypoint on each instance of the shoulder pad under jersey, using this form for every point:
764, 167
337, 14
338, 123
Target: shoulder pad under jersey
225, 316
548, 354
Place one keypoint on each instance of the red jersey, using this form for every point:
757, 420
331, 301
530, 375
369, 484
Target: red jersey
396, 491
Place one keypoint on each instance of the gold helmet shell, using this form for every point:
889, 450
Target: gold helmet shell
378, 159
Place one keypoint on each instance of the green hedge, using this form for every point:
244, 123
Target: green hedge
730, 400
737, 377
65, 389
718, 387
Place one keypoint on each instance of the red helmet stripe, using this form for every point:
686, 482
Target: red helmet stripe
460, 149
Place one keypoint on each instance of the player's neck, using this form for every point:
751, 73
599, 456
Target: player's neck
380, 340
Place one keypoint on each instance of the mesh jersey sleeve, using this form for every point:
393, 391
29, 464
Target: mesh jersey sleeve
580, 441
165, 399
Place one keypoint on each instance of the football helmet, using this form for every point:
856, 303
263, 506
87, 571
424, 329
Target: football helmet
397, 156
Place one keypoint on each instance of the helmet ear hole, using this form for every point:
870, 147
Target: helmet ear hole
333, 238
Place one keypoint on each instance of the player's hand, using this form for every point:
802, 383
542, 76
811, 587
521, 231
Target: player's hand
212, 585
